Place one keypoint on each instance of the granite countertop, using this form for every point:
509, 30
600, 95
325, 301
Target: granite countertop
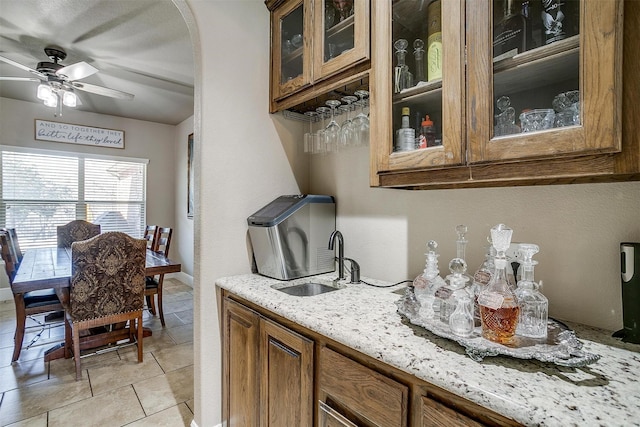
365, 318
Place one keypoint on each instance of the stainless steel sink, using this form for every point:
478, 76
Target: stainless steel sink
308, 289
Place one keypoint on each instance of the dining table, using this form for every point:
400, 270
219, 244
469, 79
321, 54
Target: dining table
50, 267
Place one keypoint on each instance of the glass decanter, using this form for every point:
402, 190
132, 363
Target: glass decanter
461, 248
506, 119
482, 277
418, 53
461, 320
403, 78
427, 284
499, 310
455, 289
534, 307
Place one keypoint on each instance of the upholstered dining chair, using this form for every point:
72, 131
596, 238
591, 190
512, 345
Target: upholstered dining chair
29, 303
107, 287
151, 235
153, 286
75, 231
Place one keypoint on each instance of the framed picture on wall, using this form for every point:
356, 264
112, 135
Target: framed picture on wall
190, 180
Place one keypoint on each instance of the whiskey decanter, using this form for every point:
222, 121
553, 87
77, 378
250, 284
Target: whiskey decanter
482, 277
499, 310
534, 306
402, 76
427, 284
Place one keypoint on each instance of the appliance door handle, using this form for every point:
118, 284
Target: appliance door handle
627, 262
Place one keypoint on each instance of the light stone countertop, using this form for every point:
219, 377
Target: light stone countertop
365, 318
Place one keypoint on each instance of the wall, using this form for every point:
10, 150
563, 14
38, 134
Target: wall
578, 228
245, 159
183, 237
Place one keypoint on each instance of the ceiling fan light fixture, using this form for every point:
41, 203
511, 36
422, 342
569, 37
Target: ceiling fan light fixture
52, 101
44, 92
69, 99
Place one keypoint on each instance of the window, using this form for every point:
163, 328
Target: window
43, 189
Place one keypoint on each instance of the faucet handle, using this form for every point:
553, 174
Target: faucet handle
355, 270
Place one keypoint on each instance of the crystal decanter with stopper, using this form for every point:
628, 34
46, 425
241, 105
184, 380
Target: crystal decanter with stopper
499, 310
426, 285
461, 320
402, 76
482, 277
534, 307
461, 249
456, 288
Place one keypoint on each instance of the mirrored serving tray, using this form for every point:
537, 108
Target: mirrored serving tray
561, 346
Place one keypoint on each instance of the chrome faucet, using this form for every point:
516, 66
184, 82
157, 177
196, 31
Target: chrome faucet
332, 239
355, 271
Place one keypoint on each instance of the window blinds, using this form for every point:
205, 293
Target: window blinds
41, 190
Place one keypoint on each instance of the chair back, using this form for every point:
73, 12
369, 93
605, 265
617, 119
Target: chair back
14, 245
163, 242
107, 276
75, 231
8, 256
151, 235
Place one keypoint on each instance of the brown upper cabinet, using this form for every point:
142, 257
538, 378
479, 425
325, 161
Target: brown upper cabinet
316, 45
516, 93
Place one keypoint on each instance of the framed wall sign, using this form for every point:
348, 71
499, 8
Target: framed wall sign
78, 134
190, 180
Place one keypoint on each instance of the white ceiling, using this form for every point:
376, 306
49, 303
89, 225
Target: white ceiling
139, 46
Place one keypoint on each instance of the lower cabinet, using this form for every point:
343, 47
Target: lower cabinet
290, 376
268, 371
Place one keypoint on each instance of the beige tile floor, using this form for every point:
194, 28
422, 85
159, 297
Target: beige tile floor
115, 389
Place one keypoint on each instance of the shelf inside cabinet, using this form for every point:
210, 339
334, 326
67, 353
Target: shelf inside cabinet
295, 54
422, 92
340, 27
557, 62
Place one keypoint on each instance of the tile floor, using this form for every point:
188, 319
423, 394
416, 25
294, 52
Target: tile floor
115, 389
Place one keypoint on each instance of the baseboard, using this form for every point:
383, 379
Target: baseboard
181, 276
193, 424
7, 295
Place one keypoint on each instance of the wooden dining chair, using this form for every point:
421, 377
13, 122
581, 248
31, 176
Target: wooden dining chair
153, 286
75, 231
107, 287
29, 303
151, 235
14, 243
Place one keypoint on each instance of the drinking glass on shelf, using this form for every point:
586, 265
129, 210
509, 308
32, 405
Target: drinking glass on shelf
310, 136
332, 131
346, 133
361, 121
320, 144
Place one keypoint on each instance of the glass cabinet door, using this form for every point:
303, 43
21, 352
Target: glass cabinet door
418, 96
543, 78
341, 36
291, 48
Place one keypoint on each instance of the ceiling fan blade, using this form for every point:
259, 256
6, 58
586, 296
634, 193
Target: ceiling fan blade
21, 79
100, 90
77, 71
22, 67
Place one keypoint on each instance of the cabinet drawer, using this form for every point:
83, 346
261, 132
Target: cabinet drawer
361, 393
328, 417
436, 414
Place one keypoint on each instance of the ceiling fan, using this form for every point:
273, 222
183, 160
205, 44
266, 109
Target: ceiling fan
58, 81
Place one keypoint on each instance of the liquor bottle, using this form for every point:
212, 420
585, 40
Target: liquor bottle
560, 19
406, 135
434, 41
499, 310
482, 277
534, 307
509, 34
427, 284
427, 136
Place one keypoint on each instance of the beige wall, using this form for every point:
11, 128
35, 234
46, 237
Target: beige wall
578, 228
182, 240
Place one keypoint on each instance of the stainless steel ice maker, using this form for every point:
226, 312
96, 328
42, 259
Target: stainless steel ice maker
290, 236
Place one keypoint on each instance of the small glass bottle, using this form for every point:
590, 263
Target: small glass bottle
499, 310
506, 119
461, 320
403, 78
534, 307
427, 284
455, 289
418, 53
405, 135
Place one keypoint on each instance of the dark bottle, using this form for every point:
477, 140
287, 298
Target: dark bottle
560, 19
509, 34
